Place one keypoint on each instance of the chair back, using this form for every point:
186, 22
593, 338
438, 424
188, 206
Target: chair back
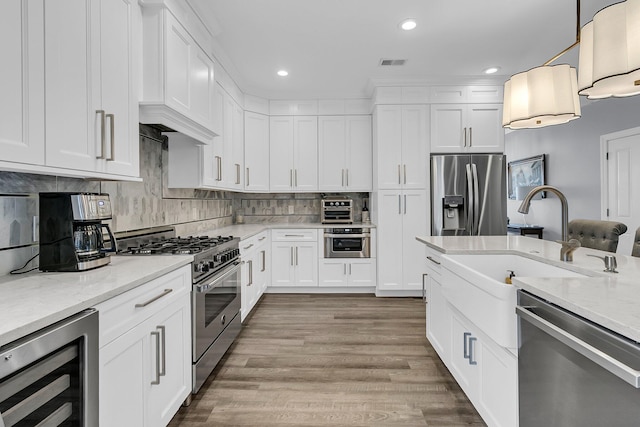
594, 234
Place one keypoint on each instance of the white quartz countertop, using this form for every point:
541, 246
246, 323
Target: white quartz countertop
244, 231
611, 300
32, 301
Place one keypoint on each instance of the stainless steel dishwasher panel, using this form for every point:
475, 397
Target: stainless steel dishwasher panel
572, 372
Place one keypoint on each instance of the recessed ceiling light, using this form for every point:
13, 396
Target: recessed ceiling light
491, 70
283, 73
408, 24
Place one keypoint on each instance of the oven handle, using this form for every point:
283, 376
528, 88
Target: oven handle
206, 287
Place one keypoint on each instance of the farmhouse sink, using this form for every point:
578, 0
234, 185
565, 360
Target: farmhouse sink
475, 285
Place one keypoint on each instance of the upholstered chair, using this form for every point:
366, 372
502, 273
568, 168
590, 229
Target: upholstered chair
602, 235
635, 251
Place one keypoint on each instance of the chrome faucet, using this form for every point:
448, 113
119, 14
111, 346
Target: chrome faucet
568, 246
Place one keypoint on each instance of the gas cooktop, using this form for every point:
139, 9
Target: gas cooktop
177, 245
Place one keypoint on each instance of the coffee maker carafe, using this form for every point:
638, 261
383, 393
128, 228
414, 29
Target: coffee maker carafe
71, 231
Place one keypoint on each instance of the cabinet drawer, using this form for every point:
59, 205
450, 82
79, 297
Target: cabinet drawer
253, 242
123, 312
294, 235
434, 261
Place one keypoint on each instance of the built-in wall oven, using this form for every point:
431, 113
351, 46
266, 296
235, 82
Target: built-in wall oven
50, 378
347, 242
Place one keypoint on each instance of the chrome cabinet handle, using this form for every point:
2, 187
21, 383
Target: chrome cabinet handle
466, 336
344, 269
163, 294
112, 138
250, 273
343, 177
295, 175
157, 335
262, 238
472, 340
264, 263
294, 235
470, 137
405, 173
405, 204
163, 340
616, 367
292, 256
247, 177
290, 177
248, 247
219, 166
296, 255
102, 132
399, 180
433, 260
349, 269
237, 173
399, 204
347, 177
465, 136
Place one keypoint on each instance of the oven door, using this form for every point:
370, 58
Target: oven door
347, 246
216, 301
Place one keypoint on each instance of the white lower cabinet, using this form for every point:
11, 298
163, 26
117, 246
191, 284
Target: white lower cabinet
345, 272
256, 270
294, 258
145, 352
486, 371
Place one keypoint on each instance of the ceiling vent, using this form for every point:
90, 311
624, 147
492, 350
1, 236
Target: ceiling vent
392, 62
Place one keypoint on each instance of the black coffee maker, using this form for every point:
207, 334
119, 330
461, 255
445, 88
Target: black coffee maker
71, 231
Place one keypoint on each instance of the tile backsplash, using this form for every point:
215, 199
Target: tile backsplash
145, 204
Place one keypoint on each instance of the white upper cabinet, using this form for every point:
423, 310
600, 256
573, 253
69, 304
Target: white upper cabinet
178, 83
344, 145
73, 76
256, 152
466, 119
293, 164
401, 139
473, 128
21, 83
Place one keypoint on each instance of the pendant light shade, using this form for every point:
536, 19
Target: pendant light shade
610, 52
543, 96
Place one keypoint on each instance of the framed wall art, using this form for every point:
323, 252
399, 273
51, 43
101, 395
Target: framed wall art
524, 175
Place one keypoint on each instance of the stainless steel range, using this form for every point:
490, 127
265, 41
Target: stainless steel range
215, 295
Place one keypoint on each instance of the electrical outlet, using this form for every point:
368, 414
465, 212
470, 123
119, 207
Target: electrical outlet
291, 211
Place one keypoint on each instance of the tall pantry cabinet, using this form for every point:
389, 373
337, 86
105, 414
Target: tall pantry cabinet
400, 204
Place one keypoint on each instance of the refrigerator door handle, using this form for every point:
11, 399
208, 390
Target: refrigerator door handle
471, 200
476, 200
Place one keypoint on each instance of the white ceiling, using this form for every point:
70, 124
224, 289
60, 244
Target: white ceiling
332, 48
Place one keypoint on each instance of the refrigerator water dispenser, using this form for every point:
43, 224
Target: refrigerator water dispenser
453, 213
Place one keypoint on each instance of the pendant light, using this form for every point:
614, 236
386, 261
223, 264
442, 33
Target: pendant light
543, 96
610, 52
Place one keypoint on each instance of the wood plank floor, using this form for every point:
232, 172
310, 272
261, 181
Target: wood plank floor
331, 360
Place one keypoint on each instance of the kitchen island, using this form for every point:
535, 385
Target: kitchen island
470, 286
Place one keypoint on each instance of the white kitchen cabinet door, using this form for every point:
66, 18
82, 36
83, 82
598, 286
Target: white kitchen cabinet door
306, 263
72, 128
438, 318
387, 140
415, 140
401, 146
281, 153
332, 149
362, 272
123, 377
390, 240
282, 264
22, 82
415, 219
466, 128
173, 326
237, 147
118, 95
305, 152
359, 154
486, 133
465, 357
256, 152
333, 273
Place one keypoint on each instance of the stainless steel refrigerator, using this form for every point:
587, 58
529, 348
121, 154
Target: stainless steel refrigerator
468, 195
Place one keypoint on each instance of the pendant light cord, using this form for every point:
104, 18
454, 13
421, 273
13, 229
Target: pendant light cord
576, 43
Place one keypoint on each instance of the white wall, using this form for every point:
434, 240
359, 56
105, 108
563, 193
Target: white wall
573, 160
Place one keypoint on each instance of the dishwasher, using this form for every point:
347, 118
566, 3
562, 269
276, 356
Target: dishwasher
572, 372
50, 377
